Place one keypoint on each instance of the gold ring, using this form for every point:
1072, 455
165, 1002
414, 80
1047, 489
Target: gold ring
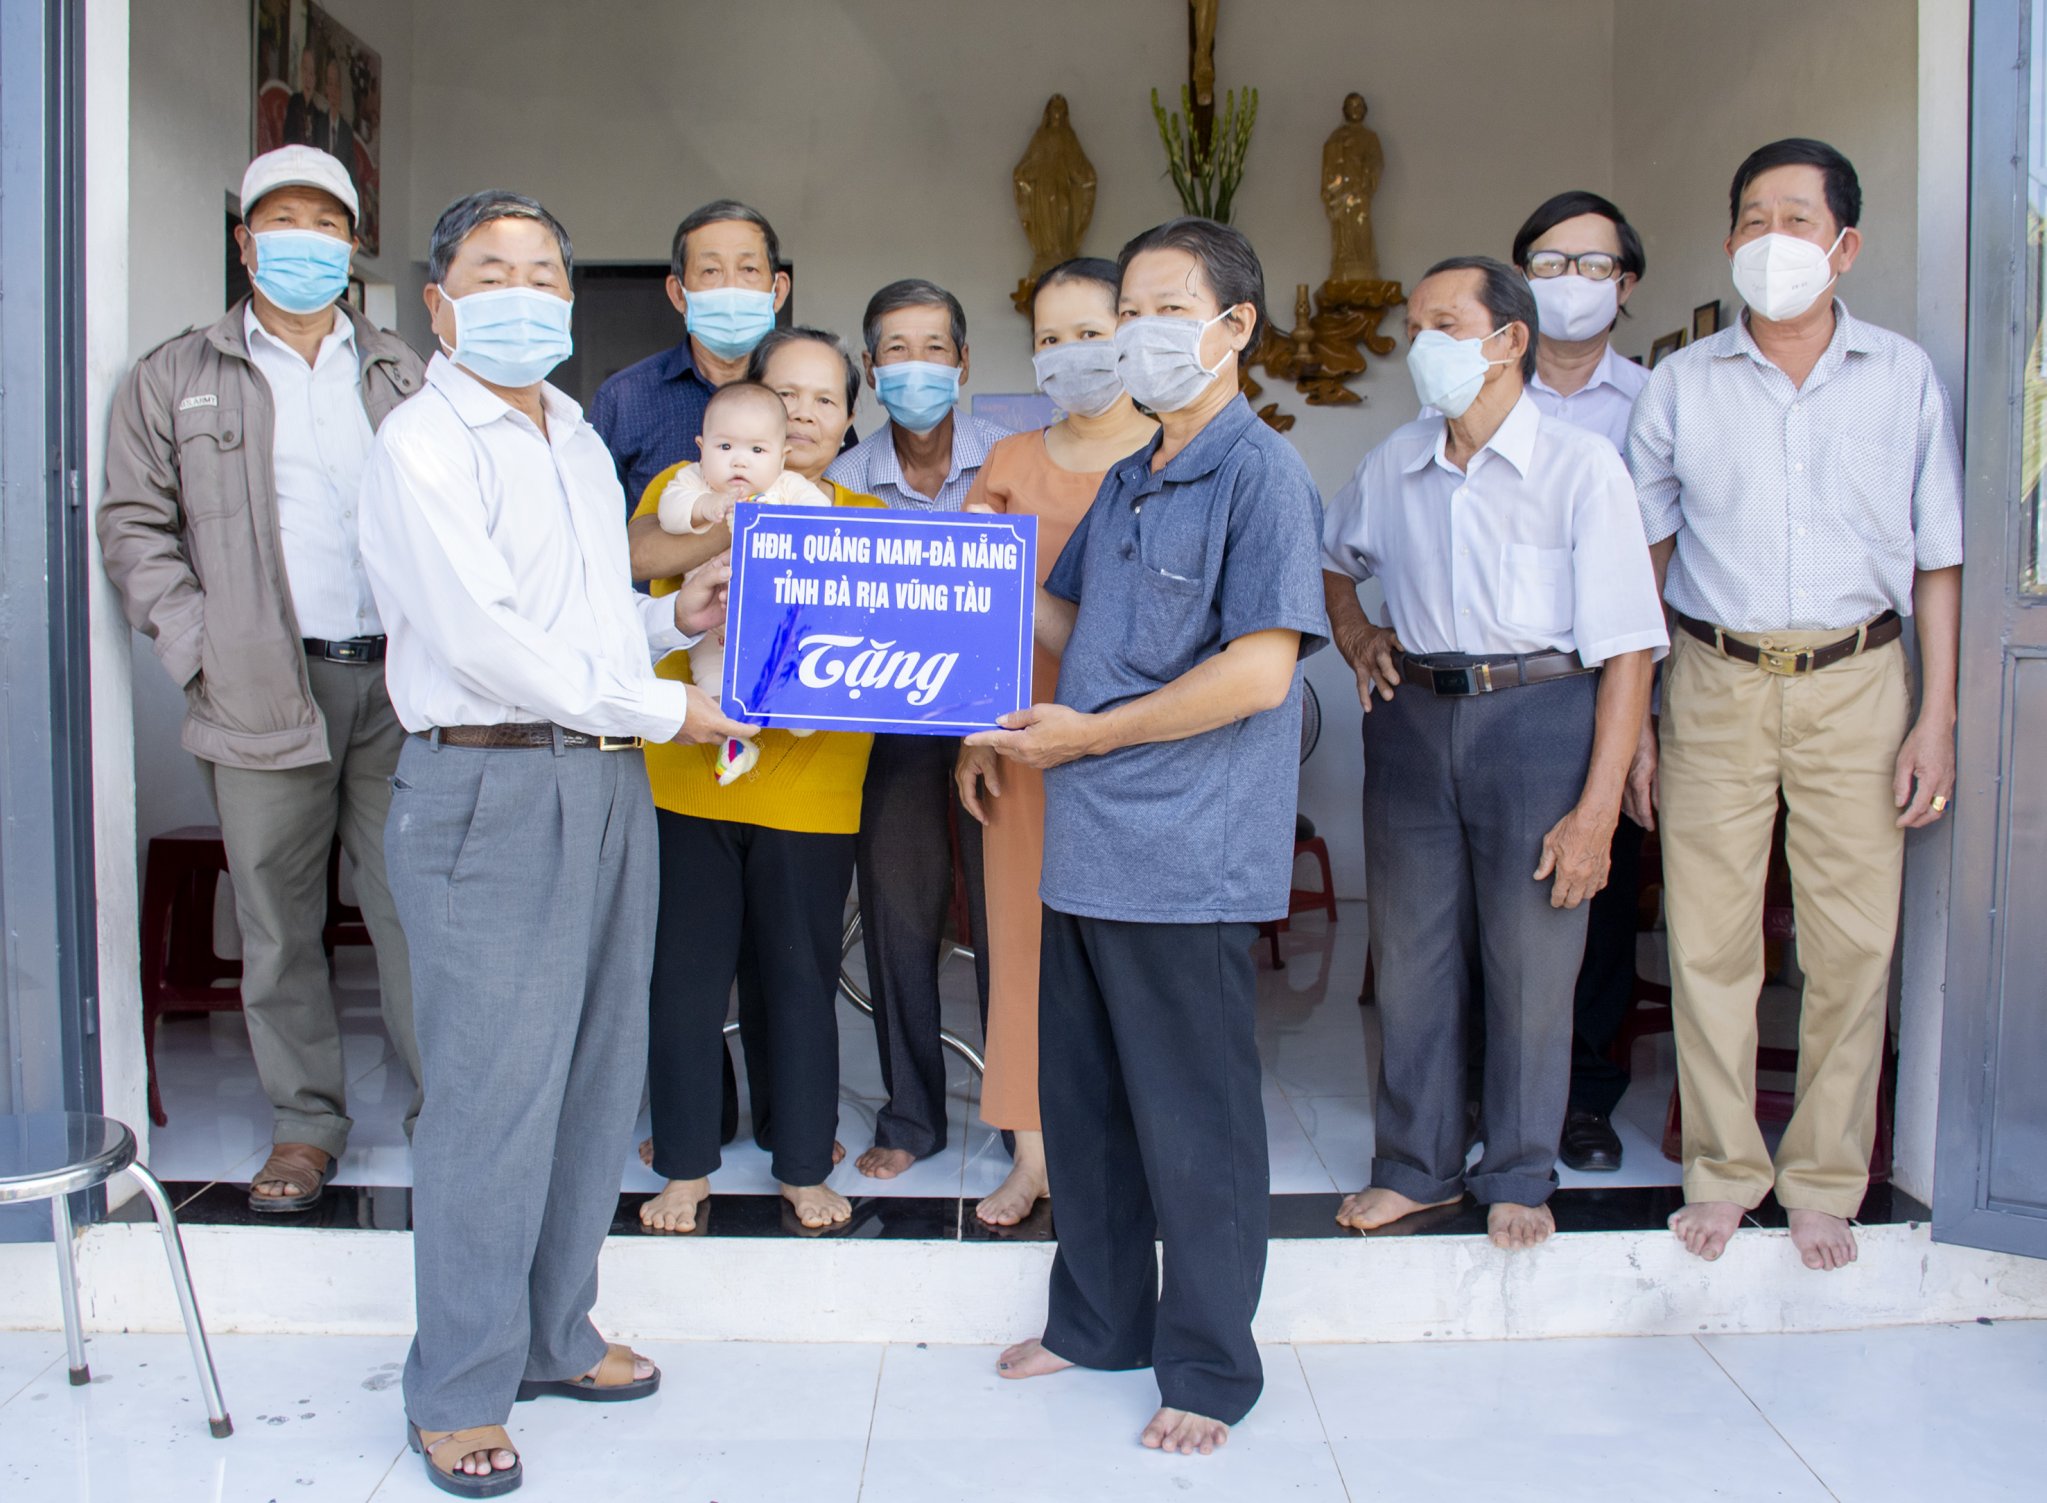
1939, 802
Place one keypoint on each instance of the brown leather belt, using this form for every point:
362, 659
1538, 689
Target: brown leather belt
1785, 660
1485, 675
528, 735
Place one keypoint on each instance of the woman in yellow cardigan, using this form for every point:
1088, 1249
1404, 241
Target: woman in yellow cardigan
766, 860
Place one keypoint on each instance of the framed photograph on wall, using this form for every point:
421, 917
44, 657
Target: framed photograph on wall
1669, 343
1705, 320
318, 84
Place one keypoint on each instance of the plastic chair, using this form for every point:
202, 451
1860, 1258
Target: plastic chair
50, 1155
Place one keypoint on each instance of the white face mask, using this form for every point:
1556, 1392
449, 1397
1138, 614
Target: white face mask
1080, 375
1159, 360
1449, 372
1574, 308
1780, 276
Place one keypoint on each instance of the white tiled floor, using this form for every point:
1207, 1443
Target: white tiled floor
1910, 1413
1317, 1044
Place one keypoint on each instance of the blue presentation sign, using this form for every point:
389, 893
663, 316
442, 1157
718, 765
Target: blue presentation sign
857, 619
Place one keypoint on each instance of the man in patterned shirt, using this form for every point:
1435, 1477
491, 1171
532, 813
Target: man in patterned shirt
1801, 490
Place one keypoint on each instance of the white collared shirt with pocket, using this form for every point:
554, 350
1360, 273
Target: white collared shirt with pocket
1537, 545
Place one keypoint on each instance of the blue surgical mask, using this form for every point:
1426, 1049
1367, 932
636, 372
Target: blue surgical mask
511, 336
917, 393
301, 271
729, 321
1448, 372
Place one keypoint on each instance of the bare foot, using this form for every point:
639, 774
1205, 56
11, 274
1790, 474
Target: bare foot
647, 1152
1512, 1228
838, 1153
1705, 1226
1825, 1242
817, 1206
884, 1163
1368, 1210
675, 1208
1029, 1359
1014, 1198
1184, 1434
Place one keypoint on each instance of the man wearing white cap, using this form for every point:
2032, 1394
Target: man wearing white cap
229, 526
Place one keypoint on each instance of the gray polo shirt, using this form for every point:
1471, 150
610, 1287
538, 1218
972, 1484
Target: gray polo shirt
1167, 569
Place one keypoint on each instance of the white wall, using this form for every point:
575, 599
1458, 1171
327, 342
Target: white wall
189, 139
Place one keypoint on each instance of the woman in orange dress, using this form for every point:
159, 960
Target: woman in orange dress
1052, 475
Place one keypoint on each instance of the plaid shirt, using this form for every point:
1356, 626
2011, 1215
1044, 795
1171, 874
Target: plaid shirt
871, 466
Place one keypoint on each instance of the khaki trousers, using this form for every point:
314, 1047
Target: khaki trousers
278, 826
1733, 735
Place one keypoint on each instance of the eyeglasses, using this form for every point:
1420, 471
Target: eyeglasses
1593, 266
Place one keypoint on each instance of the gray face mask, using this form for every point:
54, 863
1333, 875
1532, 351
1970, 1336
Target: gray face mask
1159, 360
1080, 376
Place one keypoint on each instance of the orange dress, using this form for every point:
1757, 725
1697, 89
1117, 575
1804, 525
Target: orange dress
1019, 476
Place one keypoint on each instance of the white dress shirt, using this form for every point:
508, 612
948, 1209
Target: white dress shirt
317, 451
1536, 545
502, 572
1602, 404
1801, 508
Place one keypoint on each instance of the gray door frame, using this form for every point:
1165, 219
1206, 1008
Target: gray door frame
1993, 1113
49, 1057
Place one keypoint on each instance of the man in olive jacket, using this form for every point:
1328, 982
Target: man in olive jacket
229, 527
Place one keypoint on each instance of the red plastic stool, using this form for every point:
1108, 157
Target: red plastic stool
1304, 899
181, 972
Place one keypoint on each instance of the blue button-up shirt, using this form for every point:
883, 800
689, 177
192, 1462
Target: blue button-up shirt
1167, 570
872, 467
649, 416
1803, 508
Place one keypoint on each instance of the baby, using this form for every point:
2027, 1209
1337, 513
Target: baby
744, 444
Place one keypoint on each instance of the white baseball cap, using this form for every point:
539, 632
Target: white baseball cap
298, 167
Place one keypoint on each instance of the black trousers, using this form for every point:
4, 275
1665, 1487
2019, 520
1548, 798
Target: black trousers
905, 865
785, 892
1606, 979
1155, 1129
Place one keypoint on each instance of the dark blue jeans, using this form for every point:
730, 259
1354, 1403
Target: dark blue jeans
1458, 796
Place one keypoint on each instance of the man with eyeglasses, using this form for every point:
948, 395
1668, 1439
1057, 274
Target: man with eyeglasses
1582, 259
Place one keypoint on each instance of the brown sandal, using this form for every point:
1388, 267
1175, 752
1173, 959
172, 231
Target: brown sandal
299, 1166
613, 1382
454, 1445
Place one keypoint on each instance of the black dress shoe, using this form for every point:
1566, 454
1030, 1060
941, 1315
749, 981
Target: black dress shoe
1590, 1143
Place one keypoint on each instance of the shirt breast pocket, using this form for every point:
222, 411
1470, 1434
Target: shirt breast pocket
212, 478
1168, 625
1535, 588
1868, 483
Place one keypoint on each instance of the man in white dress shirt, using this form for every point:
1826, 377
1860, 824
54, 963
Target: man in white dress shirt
229, 527
1512, 682
521, 837
1802, 494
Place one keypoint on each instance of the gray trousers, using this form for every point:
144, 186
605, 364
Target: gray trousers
1458, 795
278, 826
527, 880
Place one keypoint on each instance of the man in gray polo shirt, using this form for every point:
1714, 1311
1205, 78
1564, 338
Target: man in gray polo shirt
1181, 609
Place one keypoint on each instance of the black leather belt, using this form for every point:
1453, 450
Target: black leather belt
1785, 660
528, 735
1469, 676
354, 650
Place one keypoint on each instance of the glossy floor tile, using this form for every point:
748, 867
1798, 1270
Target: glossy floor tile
1624, 1420
1317, 1045
1881, 1416
1958, 1408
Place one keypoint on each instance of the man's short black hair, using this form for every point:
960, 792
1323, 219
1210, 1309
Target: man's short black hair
1228, 264
1570, 205
757, 362
912, 292
465, 216
1844, 188
718, 212
1505, 294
